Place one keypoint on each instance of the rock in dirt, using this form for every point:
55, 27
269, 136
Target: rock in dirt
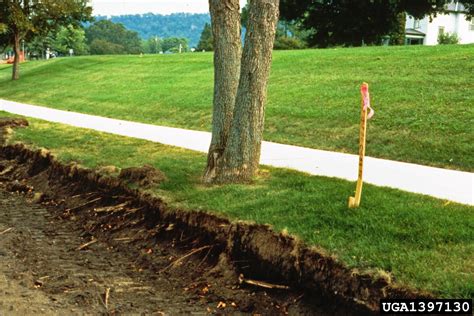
17, 186
38, 197
145, 176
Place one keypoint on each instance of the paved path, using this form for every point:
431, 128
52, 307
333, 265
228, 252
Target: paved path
446, 184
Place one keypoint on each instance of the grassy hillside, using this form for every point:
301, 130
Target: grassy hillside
423, 96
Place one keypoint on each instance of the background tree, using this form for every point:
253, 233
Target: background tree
353, 23
244, 15
26, 18
70, 37
469, 5
38, 44
421, 8
289, 35
152, 45
101, 47
180, 25
114, 37
206, 40
238, 131
397, 34
172, 44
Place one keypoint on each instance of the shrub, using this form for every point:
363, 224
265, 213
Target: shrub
447, 38
102, 47
286, 43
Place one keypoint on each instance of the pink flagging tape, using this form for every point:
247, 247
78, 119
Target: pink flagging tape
366, 97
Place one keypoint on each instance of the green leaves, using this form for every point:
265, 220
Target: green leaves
22, 20
3, 28
206, 41
107, 37
355, 23
70, 37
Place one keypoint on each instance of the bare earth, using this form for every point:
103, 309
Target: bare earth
43, 273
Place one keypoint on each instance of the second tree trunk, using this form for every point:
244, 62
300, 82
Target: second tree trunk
225, 15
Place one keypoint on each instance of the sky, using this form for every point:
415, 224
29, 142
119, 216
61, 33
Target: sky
120, 7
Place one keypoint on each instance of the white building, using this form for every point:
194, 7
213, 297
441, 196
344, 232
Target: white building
454, 21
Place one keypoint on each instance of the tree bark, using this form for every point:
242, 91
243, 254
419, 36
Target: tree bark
16, 59
241, 157
225, 16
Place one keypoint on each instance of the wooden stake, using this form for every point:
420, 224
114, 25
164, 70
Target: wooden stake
354, 201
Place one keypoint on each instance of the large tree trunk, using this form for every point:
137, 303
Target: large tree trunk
225, 16
242, 153
16, 60
398, 35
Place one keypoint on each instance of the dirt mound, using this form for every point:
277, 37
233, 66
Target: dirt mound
145, 176
107, 208
6, 125
12, 122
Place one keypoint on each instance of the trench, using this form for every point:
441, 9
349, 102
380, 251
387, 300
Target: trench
187, 262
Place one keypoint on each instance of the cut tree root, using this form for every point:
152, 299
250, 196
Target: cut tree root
107, 209
84, 205
179, 260
265, 285
87, 244
6, 231
106, 298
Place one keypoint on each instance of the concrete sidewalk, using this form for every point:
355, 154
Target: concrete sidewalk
446, 184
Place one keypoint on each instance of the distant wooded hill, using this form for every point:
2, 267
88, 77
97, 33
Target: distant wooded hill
148, 25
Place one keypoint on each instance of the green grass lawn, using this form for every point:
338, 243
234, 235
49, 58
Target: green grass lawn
423, 96
423, 242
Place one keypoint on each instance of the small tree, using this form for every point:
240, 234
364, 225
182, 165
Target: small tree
172, 44
206, 41
152, 45
448, 38
23, 19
